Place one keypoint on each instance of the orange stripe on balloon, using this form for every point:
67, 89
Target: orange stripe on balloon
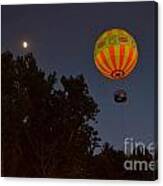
131, 52
101, 68
122, 53
131, 66
103, 57
112, 56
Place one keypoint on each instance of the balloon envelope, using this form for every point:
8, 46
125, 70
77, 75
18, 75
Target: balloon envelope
115, 53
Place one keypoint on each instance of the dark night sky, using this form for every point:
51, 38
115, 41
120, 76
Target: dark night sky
62, 38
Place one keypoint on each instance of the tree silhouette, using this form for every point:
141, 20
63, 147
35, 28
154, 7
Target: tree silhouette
45, 130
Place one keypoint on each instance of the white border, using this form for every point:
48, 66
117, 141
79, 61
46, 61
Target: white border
65, 182
60, 1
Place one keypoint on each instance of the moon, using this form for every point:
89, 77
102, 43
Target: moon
25, 44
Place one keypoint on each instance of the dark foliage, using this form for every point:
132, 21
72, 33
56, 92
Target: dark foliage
47, 126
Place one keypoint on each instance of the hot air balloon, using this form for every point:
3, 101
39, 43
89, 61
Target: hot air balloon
115, 54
